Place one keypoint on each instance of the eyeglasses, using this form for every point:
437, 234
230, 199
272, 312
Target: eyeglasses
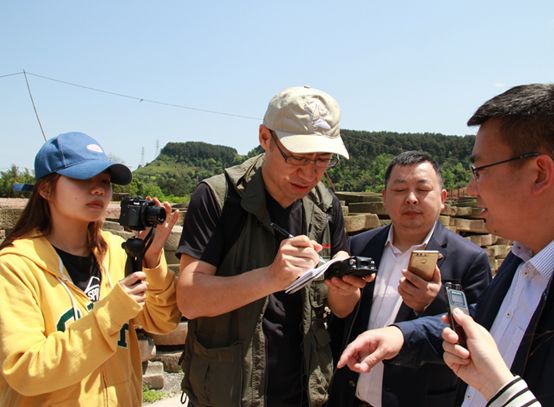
475, 170
301, 161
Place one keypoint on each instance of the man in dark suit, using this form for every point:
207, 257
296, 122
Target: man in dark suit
513, 180
413, 197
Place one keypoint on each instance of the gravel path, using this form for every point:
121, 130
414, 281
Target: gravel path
172, 383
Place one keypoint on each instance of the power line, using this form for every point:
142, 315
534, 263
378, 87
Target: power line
138, 99
11, 74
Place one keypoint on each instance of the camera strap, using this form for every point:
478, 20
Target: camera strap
149, 238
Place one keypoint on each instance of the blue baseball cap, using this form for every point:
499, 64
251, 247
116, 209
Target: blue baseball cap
76, 155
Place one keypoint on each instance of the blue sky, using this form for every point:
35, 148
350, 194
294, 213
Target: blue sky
402, 66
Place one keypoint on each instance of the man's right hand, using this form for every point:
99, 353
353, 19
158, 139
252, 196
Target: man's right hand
372, 347
295, 256
202, 293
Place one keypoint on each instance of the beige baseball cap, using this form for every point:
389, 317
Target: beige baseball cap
306, 120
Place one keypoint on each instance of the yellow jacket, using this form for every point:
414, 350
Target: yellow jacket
58, 348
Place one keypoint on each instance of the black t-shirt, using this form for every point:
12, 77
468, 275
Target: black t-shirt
84, 273
206, 237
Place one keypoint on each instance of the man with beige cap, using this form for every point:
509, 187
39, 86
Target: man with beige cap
248, 234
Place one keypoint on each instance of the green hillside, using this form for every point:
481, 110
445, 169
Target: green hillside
180, 166
370, 153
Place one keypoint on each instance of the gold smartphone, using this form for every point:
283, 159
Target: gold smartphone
423, 262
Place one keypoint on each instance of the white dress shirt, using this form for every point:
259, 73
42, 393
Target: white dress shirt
385, 305
522, 299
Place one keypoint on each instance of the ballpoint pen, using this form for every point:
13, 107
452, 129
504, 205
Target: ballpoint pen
281, 230
289, 235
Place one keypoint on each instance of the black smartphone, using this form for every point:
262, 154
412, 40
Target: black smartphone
456, 299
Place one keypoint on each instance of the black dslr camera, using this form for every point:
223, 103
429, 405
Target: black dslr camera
138, 214
355, 266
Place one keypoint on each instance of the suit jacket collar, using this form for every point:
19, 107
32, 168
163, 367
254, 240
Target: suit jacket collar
374, 249
494, 295
376, 245
492, 300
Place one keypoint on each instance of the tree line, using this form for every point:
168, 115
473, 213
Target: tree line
179, 167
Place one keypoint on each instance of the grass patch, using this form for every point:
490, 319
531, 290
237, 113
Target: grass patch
151, 395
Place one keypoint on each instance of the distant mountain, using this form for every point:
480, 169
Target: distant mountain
370, 153
180, 166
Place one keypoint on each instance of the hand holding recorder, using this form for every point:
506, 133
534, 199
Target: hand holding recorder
456, 300
478, 363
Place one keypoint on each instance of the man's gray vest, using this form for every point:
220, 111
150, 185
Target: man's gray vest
224, 359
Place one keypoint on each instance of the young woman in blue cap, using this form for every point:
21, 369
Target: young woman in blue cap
67, 312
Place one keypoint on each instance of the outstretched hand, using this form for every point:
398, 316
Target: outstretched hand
372, 347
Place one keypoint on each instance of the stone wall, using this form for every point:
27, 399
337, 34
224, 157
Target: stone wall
11, 209
363, 211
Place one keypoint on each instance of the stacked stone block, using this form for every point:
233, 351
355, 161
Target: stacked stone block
365, 210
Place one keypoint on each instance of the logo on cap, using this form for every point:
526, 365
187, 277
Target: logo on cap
95, 148
316, 110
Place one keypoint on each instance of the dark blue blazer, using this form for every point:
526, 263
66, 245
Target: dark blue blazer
429, 384
534, 360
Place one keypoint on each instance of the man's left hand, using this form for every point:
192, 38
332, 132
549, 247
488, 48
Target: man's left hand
346, 285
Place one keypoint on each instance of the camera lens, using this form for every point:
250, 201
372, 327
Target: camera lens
154, 215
